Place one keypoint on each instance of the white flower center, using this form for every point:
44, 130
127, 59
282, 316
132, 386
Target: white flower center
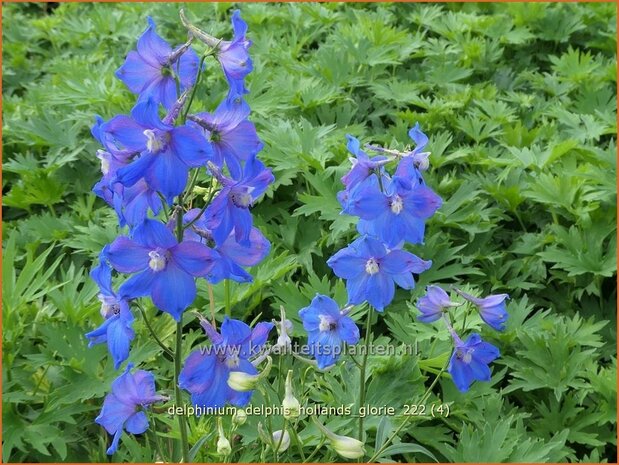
396, 204
153, 143
241, 199
465, 355
326, 323
157, 261
371, 266
232, 361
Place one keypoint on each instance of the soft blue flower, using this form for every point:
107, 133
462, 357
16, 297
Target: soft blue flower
150, 70
165, 269
327, 328
206, 371
232, 256
123, 408
371, 271
234, 56
117, 329
362, 165
230, 208
167, 152
492, 309
232, 136
470, 360
432, 304
396, 215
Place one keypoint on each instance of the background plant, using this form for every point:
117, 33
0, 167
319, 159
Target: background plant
519, 103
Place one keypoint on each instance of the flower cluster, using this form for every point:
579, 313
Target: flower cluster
392, 211
470, 359
150, 162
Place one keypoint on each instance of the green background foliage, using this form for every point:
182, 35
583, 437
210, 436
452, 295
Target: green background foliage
519, 102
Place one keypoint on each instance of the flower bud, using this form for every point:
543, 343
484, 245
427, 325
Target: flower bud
281, 440
348, 447
239, 417
223, 445
243, 382
345, 446
292, 407
284, 327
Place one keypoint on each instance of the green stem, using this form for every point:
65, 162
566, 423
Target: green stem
195, 86
178, 352
368, 334
227, 294
322, 441
182, 423
297, 439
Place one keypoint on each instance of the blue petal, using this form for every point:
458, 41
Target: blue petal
193, 257
129, 175
128, 256
138, 285
154, 234
190, 146
173, 290
348, 330
151, 47
168, 175
198, 370
137, 423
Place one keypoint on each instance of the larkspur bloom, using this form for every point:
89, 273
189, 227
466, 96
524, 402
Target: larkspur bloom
117, 329
362, 165
130, 203
166, 269
233, 55
432, 304
492, 309
327, 329
417, 160
371, 271
232, 136
149, 71
166, 152
230, 256
206, 371
470, 360
230, 208
123, 408
396, 215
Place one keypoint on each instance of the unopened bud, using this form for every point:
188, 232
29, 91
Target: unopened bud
241, 381
223, 445
345, 446
239, 417
292, 407
281, 440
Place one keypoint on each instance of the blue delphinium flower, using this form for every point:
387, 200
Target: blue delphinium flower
234, 56
232, 136
166, 269
470, 360
150, 70
327, 328
167, 152
117, 329
396, 215
232, 256
230, 208
491, 309
362, 164
432, 304
206, 371
371, 270
123, 408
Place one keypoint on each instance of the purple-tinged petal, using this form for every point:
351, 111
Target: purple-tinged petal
151, 47
193, 257
168, 175
190, 146
137, 423
153, 234
127, 256
138, 285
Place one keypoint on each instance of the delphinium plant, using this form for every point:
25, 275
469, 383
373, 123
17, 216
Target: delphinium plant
392, 207
176, 231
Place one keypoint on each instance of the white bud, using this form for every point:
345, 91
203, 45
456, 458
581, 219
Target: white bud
348, 447
239, 417
345, 446
223, 446
292, 407
281, 440
243, 382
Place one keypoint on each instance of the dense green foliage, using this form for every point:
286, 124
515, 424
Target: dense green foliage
519, 102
